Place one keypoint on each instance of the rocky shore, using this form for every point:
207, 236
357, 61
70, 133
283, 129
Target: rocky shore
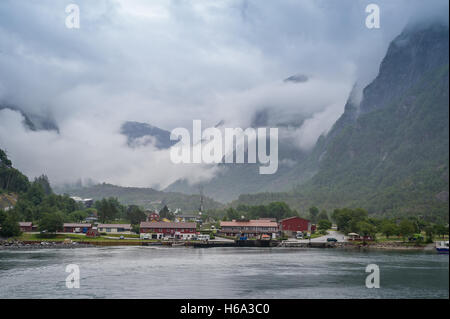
384, 245
7, 244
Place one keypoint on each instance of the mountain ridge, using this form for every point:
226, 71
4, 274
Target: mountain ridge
389, 155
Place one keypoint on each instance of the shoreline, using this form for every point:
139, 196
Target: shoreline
29, 245
393, 246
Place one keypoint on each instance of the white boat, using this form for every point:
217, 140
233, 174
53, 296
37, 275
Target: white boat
442, 247
178, 244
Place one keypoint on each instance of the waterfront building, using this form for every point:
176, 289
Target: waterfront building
114, 228
26, 227
169, 229
250, 228
290, 226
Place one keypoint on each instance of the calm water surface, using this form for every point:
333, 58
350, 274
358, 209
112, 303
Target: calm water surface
149, 272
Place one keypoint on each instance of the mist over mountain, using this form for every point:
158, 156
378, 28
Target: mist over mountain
146, 198
141, 134
34, 122
93, 103
390, 153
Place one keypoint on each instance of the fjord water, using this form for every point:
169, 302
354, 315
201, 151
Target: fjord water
157, 272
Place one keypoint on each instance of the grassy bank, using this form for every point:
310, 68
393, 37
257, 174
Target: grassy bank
76, 238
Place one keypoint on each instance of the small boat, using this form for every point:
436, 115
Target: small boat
178, 244
442, 247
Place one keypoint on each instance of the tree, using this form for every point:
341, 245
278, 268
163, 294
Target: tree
388, 228
313, 212
429, 232
43, 181
4, 161
323, 215
10, 226
135, 229
51, 222
324, 225
135, 215
78, 215
2, 216
25, 209
278, 210
232, 214
108, 209
406, 228
12, 179
35, 194
166, 213
367, 229
441, 229
347, 219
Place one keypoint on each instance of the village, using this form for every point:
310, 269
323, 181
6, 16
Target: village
274, 225
189, 228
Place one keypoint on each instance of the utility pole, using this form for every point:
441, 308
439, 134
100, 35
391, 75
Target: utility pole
201, 199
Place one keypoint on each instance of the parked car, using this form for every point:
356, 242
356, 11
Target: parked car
121, 237
331, 239
416, 237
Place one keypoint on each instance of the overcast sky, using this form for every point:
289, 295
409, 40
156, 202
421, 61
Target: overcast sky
169, 62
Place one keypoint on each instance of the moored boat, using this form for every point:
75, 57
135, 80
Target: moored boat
442, 247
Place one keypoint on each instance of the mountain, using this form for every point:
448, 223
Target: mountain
389, 153
141, 134
145, 197
34, 122
236, 179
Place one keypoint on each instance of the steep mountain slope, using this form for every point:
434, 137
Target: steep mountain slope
141, 134
236, 179
34, 122
390, 154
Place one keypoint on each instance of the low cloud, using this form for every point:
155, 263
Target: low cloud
170, 62
99, 154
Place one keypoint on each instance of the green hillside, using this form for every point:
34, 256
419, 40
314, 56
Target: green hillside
390, 155
145, 197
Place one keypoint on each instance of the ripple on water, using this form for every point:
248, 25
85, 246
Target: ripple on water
164, 272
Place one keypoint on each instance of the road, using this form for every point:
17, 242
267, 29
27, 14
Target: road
331, 234
221, 239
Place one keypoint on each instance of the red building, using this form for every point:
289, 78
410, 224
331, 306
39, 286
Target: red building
292, 225
76, 228
26, 227
169, 229
250, 228
152, 216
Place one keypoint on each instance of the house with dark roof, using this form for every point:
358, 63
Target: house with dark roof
26, 227
250, 228
114, 228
